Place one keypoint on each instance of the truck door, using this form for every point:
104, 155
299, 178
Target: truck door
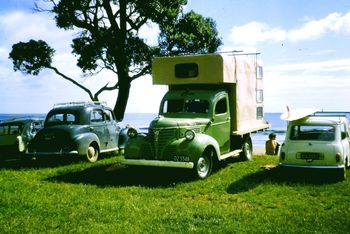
221, 124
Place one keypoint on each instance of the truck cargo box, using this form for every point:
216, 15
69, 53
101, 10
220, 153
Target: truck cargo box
240, 75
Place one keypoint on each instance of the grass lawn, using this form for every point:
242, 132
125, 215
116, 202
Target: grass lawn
106, 197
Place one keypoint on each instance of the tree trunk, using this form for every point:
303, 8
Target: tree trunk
122, 99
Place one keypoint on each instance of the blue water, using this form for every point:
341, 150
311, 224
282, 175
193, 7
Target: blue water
142, 120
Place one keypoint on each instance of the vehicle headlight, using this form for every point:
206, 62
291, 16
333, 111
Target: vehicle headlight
189, 135
132, 132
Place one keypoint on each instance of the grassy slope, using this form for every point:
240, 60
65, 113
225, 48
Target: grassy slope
105, 197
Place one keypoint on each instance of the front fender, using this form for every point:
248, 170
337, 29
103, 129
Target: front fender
197, 146
138, 147
83, 141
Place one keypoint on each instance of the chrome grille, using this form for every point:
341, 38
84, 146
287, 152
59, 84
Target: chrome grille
159, 139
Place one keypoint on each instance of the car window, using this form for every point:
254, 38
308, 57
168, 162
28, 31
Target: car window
344, 132
109, 115
61, 118
15, 129
313, 132
3, 130
96, 116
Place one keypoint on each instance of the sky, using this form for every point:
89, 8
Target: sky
304, 46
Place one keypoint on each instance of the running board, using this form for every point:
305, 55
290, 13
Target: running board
234, 153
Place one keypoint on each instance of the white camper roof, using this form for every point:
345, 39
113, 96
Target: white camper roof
199, 69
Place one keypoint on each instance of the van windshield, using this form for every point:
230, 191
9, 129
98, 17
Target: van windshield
192, 106
313, 132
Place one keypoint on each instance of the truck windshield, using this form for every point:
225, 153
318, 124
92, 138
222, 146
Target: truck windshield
312, 132
185, 106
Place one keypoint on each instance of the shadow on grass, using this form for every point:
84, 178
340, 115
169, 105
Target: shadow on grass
20, 163
121, 175
285, 176
25, 162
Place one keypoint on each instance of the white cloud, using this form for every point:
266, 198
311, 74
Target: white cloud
323, 85
255, 32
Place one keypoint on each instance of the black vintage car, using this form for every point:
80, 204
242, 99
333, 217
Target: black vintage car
77, 128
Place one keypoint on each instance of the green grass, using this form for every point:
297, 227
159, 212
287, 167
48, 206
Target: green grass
106, 197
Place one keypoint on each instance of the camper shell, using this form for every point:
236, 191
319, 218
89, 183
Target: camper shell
213, 103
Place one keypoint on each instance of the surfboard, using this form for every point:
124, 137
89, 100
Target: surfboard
295, 114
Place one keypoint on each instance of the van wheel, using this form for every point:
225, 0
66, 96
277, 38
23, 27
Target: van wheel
204, 165
92, 154
247, 149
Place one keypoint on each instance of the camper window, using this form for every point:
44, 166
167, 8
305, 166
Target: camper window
259, 96
186, 70
259, 72
259, 112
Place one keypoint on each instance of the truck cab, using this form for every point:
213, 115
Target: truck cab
201, 118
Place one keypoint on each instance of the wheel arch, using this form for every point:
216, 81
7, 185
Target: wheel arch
207, 142
83, 141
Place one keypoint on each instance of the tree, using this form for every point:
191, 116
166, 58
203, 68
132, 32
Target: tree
109, 39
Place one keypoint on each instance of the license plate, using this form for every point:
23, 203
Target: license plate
307, 155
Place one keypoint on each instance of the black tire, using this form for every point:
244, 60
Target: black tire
341, 174
92, 153
247, 149
204, 165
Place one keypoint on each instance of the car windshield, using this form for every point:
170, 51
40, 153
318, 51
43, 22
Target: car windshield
196, 106
313, 132
61, 119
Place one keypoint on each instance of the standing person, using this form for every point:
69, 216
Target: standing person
272, 145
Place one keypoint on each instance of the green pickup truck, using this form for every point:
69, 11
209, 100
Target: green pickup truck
213, 104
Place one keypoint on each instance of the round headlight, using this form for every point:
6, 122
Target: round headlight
189, 135
132, 132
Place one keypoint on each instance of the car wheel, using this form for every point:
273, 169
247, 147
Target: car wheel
92, 154
247, 149
204, 165
342, 174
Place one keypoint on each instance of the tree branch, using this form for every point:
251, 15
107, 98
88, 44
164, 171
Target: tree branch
73, 81
105, 88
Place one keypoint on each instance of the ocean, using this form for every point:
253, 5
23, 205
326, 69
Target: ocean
142, 120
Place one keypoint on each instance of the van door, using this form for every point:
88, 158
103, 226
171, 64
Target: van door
221, 124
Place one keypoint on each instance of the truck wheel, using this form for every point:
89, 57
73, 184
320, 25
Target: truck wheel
92, 154
204, 165
247, 149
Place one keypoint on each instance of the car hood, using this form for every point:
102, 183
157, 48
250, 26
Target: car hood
166, 122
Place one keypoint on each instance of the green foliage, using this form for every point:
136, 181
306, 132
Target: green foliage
240, 197
192, 33
108, 38
31, 57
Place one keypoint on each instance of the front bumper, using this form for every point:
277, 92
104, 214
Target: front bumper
158, 163
311, 166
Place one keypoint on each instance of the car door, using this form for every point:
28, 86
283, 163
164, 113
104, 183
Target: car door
345, 139
113, 129
98, 126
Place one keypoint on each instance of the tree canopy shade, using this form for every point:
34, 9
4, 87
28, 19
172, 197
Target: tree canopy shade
109, 38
